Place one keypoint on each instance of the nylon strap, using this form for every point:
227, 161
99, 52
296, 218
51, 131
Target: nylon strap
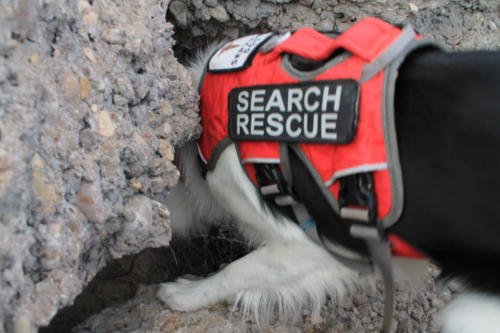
380, 253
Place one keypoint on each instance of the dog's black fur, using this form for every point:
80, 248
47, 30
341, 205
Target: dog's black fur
448, 126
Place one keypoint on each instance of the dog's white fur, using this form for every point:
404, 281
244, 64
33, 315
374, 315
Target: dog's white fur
288, 271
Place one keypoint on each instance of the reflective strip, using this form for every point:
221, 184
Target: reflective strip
358, 214
364, 232
358, 169
285, 200
261, 160
270, 189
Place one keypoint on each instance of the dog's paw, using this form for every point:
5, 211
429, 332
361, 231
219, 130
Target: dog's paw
186, 295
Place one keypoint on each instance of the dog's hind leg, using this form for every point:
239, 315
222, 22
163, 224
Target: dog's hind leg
472, 313
287, 272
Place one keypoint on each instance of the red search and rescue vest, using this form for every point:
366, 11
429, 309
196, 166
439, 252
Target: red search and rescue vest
340, 115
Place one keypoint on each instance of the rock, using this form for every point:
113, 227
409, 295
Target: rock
105, 125
70, 86
84, 87
166, 149
179, 10
90, 202
219, 13
437, 303
211, 3
80, 82
138, 213
114, 36
89, 54
455, 286
22, 324
5, 171
45, 189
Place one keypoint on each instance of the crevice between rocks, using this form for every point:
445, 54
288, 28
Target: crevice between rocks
121, 278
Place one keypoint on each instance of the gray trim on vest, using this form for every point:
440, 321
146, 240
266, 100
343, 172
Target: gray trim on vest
355, 170
219, 148
285, 163
392, 52
297, 74
389, 124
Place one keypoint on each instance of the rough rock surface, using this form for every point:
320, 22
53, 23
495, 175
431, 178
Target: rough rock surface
92, 102
461, 24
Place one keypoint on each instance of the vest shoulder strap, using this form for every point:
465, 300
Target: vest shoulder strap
366, 39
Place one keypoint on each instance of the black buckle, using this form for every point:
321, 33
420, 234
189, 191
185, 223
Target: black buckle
358, 203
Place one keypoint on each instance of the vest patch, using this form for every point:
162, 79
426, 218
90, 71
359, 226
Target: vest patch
238, 54
318, 111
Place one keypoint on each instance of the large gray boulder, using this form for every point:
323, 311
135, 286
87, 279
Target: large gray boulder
92, 103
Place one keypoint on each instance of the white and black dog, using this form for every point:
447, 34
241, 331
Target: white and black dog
448, 124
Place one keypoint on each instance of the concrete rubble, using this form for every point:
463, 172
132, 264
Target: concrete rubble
93, 102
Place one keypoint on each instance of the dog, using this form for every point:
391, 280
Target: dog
447, 116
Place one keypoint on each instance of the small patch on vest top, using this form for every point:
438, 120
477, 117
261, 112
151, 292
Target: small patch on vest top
238, 54
314, 112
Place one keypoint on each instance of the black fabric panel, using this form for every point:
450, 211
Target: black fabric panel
448, 126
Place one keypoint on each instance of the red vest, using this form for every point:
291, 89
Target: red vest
373, 147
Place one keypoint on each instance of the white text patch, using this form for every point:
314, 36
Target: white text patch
318, 111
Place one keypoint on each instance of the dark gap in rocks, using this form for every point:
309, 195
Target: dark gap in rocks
187, 45
120, 279
196, 34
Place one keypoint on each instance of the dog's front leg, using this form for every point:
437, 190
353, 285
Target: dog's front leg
258, 269
286, 274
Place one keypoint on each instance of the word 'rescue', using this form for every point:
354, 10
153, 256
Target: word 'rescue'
318, 111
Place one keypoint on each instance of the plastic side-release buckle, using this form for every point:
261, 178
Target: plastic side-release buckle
358, 203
